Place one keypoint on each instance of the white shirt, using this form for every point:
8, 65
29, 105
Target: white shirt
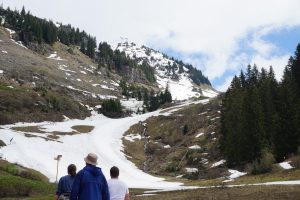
117, 189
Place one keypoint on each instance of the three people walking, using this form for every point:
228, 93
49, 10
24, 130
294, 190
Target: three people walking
90, 183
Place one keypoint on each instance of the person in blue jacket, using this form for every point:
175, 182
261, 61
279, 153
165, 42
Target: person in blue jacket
90, 183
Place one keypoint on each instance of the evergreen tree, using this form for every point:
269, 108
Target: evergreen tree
124, 87
185, 129
91, 45
268, 95
295, 67
232, 121
252, 127
153, 102
261, 116
286, 139
146, 98
83, 47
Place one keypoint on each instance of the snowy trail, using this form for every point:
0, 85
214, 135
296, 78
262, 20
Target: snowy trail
105, 140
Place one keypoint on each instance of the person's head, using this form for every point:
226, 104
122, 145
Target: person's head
114, 172
91, 159
72, 170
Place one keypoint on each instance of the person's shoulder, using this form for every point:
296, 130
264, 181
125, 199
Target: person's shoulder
80, 173
120, 182
64, 178
123, 183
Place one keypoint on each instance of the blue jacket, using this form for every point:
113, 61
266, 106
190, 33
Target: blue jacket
65, 184
90, 184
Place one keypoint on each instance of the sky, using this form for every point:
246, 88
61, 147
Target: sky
219, 37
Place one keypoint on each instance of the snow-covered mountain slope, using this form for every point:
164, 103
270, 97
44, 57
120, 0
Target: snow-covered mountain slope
37, 150
181, 79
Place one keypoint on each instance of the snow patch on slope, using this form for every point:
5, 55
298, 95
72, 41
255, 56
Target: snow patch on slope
179, 83
54, 56
285, 165
132, 104
104, 140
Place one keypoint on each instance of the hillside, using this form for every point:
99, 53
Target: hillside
182, 144
183, 80
17, 181
62, 77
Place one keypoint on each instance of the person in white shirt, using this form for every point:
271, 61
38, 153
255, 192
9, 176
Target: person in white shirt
118, 190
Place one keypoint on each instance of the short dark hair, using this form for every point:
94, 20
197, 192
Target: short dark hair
114, 172
72, 170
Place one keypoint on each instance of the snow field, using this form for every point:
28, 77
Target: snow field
104, 140
132, 104
181, 89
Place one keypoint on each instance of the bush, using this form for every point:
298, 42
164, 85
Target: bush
263, 165
112, 108
152, 148
13, 186
185, 129
172, 167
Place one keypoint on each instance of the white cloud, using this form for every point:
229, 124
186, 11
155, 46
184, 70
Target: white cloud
212, 28
277, 62
262, 47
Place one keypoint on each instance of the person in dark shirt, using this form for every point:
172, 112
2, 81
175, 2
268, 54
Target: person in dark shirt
65, 184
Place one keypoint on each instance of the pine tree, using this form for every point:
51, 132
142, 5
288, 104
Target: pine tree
146, 98
252, 127
91, 45
286, 137
153, 102
231, 126
83, 47
295, 67
167, 95
268, 95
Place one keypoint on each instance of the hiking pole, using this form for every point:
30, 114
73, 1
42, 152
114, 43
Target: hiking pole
58, 157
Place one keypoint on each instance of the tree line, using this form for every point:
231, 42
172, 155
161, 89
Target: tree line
152, 101
34, 29
261, 116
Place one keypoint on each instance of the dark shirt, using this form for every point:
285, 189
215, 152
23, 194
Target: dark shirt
65, 185
90, 184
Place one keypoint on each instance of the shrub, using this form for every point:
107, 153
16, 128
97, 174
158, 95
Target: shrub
152, 148
21, 171
185, 129
172, 167
13, 186
263, 165
112, 108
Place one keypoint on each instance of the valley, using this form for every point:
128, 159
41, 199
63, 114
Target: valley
157, 118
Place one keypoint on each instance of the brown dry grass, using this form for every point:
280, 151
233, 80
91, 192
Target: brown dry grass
241, 193
83, 128
29, 129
